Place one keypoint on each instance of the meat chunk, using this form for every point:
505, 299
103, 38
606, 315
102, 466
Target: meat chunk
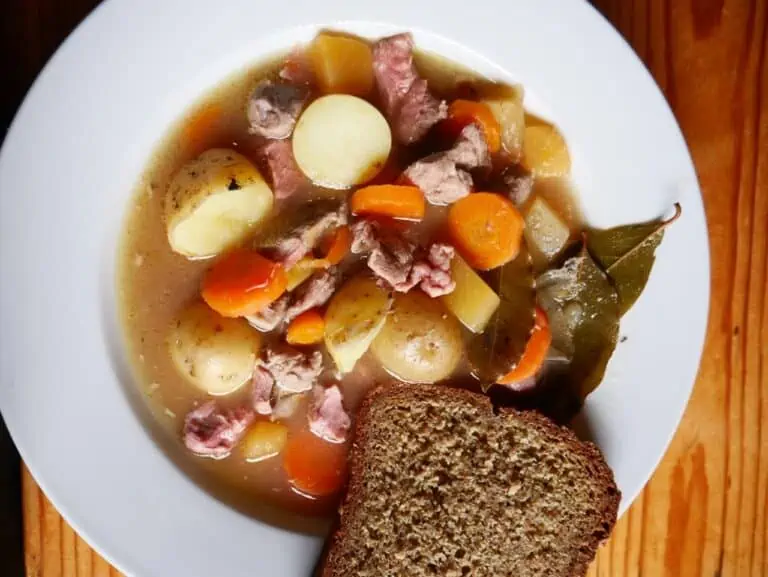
315, 292
519, 184
274, 107
443, 177
440, 179
212, 432
292, 248
410, 106
286, 176
261, 392
327, 417
393, 69
293, 371
391, 258
419, 112
470, 151
268, 318
364, 236
434, 273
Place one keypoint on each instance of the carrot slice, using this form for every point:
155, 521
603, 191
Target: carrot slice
314, 467
336, 246
306, 329
463, 112
242, 283
535, 351
486, 229
392, 200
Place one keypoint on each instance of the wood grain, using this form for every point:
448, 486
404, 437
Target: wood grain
704, 511
703, 514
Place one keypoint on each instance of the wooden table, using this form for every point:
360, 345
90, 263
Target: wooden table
704, 511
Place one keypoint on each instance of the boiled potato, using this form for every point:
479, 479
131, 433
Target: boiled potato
341, 141
214, 202
473, 302
263, 440
545, 152
342, 64
545, 230
420, 342
506, 103
354, 317
214, 353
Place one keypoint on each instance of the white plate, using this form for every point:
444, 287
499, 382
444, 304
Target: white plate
83, 136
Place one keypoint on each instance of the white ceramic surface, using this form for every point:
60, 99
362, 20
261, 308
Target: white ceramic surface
85, 132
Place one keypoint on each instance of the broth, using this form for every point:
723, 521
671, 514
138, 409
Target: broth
155, 284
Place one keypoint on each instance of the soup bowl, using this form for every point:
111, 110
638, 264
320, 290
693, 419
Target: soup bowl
91, 123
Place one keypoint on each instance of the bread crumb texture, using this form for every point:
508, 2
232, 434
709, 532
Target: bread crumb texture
441, 485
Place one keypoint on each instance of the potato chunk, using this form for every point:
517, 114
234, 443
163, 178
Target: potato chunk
263, 440
473, 302
214, 202
342, 64
506, 103
420, 342
354, 317
341, 141
545, 230
545, 152
214, 353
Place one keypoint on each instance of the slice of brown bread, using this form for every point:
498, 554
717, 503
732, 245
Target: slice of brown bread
441, 485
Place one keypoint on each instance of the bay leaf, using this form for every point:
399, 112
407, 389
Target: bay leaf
497, 350
582, 306
627, 253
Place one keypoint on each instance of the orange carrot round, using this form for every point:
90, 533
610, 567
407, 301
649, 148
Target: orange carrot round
336, 246
486, 229
392, 200
242, 283
463, 112
306, 329
535, 351
314, 467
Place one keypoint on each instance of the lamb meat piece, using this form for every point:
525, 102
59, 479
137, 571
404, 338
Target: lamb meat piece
433, 273
212, 432
440, 179
519, 184
327, 417
274, 107
393, 69
292, 248
315, 292
470, 151
438, 280
268, 318
364, 236
411, 108
392, 261
443, 177
440, 256
287, 178
419, 112
261, 391
294, 371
